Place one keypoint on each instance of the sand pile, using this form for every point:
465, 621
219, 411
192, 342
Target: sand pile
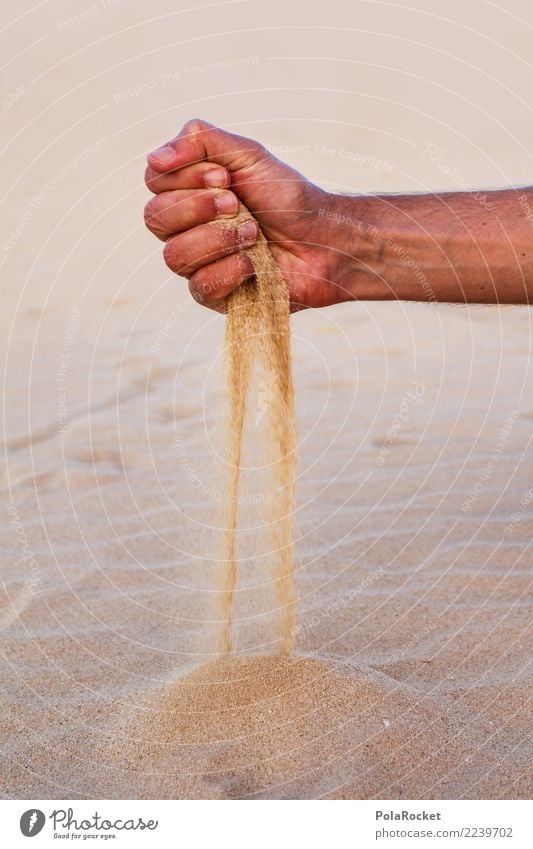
286, 727
257, 346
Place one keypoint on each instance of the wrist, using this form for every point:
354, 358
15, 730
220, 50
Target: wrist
360, 249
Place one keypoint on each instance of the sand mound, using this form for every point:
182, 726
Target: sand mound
285, 727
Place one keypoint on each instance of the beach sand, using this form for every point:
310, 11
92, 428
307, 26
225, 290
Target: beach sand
414, 523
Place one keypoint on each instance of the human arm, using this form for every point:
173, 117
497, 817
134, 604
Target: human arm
453, 247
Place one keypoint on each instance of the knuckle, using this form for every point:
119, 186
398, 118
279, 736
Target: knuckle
196, 289
171, 255
156, 216
148, 176
193, 126
202, 286
151, 213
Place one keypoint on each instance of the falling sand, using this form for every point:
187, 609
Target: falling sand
257, 342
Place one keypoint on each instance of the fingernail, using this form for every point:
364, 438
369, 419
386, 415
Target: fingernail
226, 203
163, 155
248, 232
216, 179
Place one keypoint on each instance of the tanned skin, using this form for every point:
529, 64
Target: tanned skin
456, 247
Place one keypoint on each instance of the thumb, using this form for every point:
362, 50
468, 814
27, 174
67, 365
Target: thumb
199, 140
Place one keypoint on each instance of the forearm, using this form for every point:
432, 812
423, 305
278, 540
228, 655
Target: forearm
467, 247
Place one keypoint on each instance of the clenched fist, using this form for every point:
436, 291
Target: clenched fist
199, 177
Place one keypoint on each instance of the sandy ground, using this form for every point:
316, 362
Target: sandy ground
414, 514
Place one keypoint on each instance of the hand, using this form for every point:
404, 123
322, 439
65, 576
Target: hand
198, 178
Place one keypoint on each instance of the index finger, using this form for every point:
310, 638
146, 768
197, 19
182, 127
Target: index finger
186, 149
199, 140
